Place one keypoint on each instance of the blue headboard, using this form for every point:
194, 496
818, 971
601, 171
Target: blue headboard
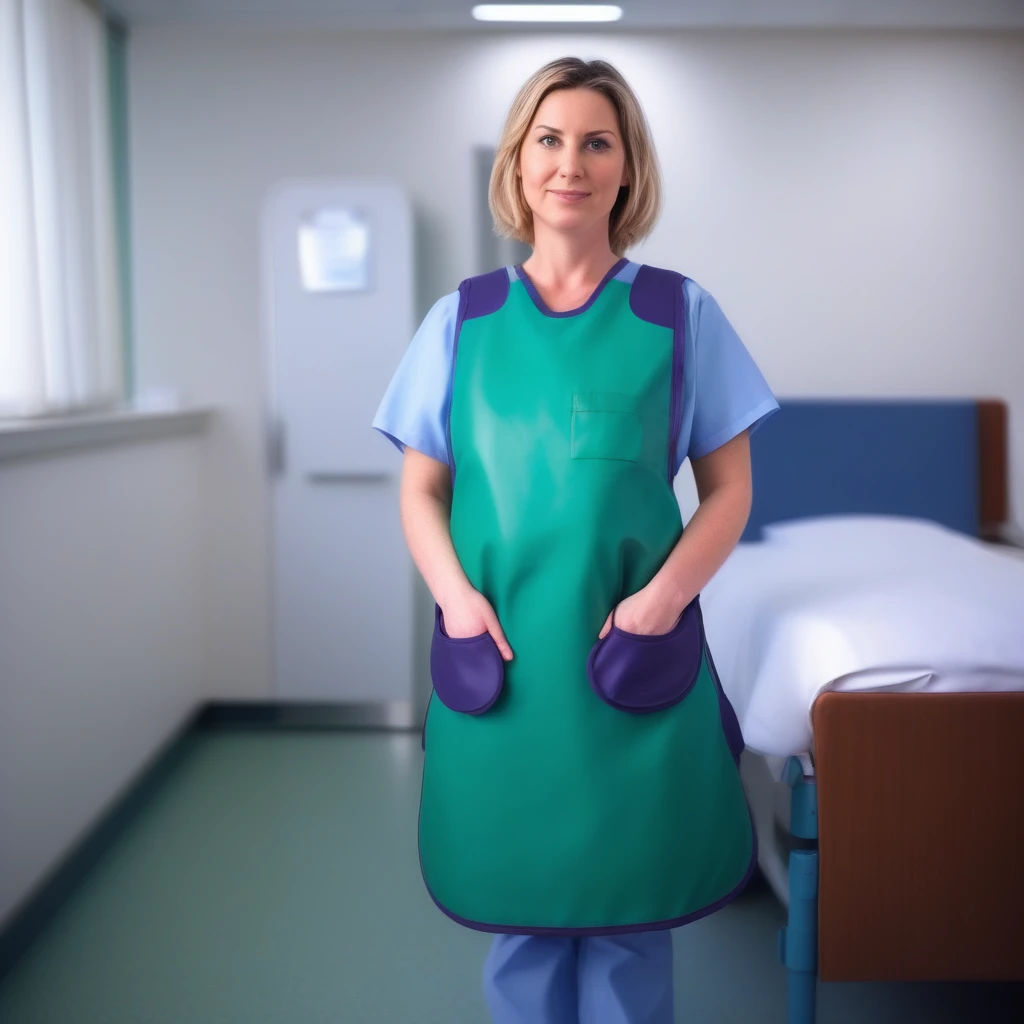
911, 458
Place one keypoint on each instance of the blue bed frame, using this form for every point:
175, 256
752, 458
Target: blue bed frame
847, 456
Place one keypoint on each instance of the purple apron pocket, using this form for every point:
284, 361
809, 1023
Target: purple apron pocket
467, 672
639, 673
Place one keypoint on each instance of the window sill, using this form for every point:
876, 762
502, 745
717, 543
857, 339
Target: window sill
30, 437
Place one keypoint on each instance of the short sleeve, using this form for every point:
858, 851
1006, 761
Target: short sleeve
414, 408
724, 391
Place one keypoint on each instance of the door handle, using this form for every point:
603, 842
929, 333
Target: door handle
347, 477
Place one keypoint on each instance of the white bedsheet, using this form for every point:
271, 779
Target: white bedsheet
859, 603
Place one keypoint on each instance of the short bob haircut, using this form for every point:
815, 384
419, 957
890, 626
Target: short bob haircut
638, 204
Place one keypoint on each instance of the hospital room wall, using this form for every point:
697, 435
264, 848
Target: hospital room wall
852, 199
101, 587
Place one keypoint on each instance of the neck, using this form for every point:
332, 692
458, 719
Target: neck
566, 260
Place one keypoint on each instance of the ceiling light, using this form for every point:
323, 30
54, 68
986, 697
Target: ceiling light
547, 12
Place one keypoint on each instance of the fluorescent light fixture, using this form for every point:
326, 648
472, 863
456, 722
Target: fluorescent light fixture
547, 12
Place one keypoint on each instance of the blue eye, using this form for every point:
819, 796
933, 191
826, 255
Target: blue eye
601, 144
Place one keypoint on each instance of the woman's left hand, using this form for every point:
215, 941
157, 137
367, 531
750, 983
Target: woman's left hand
645, 612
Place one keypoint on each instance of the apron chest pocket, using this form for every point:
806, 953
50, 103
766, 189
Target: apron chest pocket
606, 425
467, 672
641, 674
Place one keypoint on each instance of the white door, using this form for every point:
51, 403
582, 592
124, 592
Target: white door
338, 315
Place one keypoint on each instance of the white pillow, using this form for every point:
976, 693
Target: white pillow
858, 530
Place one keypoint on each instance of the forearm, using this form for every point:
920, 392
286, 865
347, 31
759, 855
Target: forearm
709, 537
426, 523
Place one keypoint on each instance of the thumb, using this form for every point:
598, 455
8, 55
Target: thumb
607, 626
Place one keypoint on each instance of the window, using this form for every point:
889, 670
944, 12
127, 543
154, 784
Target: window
60, 303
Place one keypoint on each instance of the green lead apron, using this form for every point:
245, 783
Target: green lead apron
584, 787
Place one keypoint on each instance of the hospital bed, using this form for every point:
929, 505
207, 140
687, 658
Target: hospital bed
873, 648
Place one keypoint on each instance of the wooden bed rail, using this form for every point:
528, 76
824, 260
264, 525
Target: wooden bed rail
921, 836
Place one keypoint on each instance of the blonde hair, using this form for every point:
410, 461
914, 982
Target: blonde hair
638, 204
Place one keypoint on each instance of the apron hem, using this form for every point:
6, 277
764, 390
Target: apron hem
623, 929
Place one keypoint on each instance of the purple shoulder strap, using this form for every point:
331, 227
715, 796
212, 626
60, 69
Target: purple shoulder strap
478, 296
483, 294
657, 297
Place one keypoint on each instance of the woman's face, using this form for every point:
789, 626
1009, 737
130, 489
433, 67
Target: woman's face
574, 145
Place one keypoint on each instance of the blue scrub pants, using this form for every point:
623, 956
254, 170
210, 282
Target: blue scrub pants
603, 979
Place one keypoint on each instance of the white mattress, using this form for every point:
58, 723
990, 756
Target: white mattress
858, 603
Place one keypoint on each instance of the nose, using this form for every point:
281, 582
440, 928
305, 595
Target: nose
570, 165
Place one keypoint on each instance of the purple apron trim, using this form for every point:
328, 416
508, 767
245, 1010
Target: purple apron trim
478, 296
730, 723
625, 929
676, 405
657, 297
652, 295
464, 287
488, 293
543, 306
468, 672
641, 674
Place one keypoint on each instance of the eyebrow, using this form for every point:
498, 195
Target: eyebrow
556, 131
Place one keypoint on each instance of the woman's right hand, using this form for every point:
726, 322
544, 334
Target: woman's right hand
469, 613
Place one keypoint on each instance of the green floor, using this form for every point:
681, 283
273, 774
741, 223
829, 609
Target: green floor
273, 878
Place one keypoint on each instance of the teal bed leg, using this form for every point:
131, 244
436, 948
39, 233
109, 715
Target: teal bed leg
798, 940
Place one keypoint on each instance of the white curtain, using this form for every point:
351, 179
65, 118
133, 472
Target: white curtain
60, 325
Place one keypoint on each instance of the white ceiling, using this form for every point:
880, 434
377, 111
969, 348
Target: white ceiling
643, 14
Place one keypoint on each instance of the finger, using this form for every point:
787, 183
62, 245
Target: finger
494, 628
604, 629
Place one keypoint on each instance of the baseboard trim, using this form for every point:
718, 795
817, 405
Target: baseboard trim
384, 714
41, 906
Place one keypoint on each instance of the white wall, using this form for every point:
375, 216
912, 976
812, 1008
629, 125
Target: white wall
853, 199
100, 635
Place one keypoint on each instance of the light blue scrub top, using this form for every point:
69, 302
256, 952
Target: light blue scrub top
723, 391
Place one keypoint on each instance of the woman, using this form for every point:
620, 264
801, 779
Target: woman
581, 794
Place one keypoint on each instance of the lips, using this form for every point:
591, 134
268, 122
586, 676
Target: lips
571, 195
